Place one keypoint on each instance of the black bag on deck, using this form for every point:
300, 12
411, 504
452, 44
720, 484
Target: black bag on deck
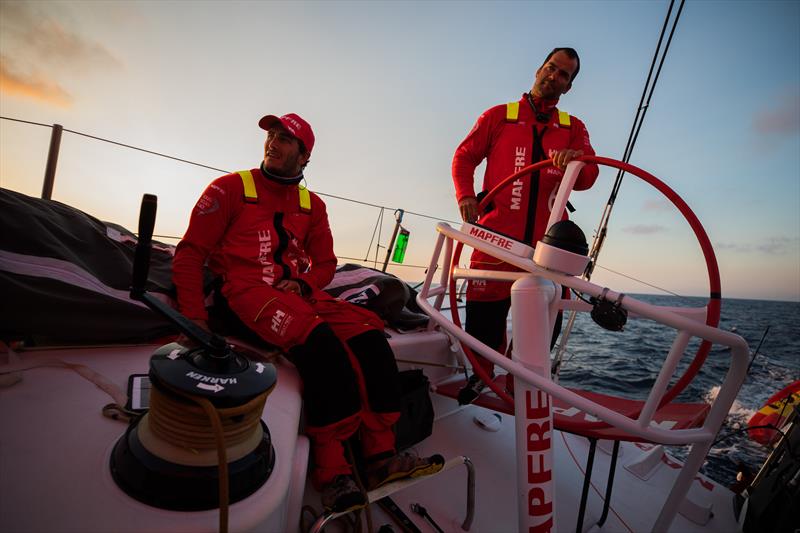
416, 409
386, 295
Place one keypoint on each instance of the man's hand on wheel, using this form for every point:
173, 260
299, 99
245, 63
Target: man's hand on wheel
469, 209
562, 157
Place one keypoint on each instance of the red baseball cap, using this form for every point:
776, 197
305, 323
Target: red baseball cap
292, 123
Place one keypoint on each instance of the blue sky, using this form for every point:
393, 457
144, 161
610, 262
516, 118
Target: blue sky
391, 88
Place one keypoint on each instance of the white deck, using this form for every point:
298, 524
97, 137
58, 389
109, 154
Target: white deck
55, 446
635, 503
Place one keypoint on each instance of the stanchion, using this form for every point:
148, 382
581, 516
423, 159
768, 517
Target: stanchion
531, 299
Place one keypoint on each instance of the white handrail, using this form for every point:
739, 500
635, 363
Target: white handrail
667, 370
688, 323
698, 314
739, 348
564, 190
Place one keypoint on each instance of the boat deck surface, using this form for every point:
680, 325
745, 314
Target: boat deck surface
55, 446
493, 454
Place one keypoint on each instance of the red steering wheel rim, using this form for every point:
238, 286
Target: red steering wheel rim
715, 296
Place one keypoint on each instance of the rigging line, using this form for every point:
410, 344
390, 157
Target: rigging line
647, 82
735, 432
582, 470
653, 86
752, 360
602, 229
426, 363
214, 168
644, 105
375, 229
640, 111
642, 282
378, 244
649, 90
600, 233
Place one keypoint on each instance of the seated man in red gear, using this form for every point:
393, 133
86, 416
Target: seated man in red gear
268, 237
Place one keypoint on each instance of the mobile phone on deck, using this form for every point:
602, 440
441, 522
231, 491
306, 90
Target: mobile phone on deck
138, 392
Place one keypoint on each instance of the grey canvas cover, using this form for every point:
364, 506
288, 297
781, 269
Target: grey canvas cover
65, 278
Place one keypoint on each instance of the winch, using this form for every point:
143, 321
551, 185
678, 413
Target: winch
202, 443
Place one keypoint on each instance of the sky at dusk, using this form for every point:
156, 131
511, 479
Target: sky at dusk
391, 88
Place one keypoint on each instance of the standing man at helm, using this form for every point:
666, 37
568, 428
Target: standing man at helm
269, 240
510, 137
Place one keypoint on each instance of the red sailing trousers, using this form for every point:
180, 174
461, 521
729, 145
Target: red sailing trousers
348, 370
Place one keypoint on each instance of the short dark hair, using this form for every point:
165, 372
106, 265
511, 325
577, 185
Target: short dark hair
571, 53
302, 147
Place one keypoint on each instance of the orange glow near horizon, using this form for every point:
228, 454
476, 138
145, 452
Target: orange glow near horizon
33, 87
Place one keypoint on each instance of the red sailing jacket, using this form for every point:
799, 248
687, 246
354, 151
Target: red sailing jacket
252, 243
508, 146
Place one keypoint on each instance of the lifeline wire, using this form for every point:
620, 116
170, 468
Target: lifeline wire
758, 348
380, 216
371, 261
210, 167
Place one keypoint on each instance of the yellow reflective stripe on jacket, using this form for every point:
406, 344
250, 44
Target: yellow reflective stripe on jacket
250, 194
563, 119
512, 115
512, 111
305, 198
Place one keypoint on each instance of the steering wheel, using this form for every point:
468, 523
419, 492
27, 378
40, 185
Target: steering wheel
714, 303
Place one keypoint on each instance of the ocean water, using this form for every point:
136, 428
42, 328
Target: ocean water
627, 363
